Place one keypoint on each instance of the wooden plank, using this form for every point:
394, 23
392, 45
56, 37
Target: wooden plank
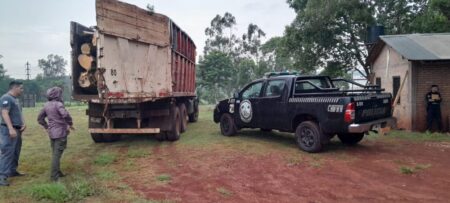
134, 21
132, 32
129, 21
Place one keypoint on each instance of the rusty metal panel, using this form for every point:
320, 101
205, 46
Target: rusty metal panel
125, 131
134, 69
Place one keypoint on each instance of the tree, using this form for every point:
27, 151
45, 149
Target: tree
276, 56
328, 34
2, 72
215, 72
53, 66
217, 39
434, 18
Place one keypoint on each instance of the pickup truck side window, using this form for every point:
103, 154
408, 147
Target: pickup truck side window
275, 88
252, 91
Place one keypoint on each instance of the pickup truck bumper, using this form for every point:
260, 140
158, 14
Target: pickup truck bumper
372, 125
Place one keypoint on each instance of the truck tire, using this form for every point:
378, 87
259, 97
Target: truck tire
184, 117
227, 125
174, 133
111, 138
309, 137
351, 138
161, 136
98, 138
193, 117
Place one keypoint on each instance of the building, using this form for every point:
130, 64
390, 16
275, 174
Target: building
424, 60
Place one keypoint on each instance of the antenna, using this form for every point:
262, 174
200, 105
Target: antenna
28, 70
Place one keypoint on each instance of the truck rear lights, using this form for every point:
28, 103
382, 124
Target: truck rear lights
349, 113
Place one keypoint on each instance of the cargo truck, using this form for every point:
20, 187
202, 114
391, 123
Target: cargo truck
136, 71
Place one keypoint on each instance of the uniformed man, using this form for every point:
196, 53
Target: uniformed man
11, 128
434, 108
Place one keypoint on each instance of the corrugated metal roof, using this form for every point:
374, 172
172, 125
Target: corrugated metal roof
420, 47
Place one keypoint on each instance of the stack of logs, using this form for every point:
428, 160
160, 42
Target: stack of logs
87, 78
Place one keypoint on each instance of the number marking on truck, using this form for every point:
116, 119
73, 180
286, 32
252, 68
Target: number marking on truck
335, 108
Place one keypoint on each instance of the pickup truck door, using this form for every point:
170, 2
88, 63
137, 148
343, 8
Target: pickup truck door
272, 106
247, 106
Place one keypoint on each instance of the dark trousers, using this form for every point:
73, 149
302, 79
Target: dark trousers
58, 146
9, 152
434, 115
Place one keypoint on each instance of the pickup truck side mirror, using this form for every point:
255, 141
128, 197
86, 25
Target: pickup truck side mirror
236, 95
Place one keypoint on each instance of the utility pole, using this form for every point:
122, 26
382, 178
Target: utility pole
28, 70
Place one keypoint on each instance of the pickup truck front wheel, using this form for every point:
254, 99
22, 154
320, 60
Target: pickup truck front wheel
351, 138
309, 136
227, 125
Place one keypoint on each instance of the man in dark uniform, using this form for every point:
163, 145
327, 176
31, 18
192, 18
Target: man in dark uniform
434, 108
11, 128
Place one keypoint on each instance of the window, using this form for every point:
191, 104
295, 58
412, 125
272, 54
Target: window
252, 91
302, 86
378, 82
275, 88
396, 87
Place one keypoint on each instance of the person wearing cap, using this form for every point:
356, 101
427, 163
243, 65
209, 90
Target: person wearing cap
11, 128
434, 100
58, 125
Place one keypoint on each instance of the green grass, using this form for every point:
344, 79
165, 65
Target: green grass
164, 178
410, 170
105, 159
137, 153
55, 192
225, 192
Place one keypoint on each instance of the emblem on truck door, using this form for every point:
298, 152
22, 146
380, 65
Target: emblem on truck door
245, 111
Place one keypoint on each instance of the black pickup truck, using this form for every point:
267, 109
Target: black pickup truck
312, 107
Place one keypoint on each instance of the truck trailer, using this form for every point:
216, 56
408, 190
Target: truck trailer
136, 71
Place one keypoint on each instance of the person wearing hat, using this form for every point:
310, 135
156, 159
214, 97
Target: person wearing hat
434, 100
58, 125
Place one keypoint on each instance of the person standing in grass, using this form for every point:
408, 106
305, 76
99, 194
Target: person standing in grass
58, 127
11, 128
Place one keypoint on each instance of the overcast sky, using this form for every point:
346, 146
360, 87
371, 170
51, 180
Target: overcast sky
31, 30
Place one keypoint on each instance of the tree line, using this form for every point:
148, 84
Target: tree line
326, 37
53, 74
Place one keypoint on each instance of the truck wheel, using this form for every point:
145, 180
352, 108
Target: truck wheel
227, 125
193, 117
161, 136
174, 133
309, 137
351, 138
97, 137
184, 117
111, 138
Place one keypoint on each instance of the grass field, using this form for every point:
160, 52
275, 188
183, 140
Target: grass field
95, 171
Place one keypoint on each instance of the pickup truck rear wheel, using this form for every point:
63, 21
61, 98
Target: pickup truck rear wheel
309, 136
351, 138
227, 125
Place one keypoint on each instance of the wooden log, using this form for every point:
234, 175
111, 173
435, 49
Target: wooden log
85, 61
84, 80
86, 49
